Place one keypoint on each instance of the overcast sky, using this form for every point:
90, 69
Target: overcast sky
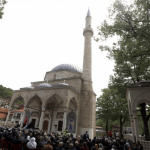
37, 35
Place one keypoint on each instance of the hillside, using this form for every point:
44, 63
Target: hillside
5, 93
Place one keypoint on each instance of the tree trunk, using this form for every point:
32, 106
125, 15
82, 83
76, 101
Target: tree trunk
145, 122
106, 126
120, 133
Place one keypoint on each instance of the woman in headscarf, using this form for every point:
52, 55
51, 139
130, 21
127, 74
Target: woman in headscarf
32, 144
28, 138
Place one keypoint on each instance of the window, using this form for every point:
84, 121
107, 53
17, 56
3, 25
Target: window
60, 124
18, 116
55, 76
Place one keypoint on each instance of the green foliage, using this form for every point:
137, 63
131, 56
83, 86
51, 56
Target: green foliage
5, 93
112, 106
131, 52
1, 10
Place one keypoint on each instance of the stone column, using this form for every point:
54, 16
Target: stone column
41, 119
8, 115
54, 121
23, 117
77, 121
65, 119
132, 126
136, 130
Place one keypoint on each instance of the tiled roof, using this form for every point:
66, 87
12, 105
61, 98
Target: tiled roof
3, 110
3, 115
20, 110
98, 127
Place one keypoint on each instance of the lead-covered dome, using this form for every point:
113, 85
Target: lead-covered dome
67, 67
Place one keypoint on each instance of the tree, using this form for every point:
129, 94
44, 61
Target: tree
104, 105
112, 105
131, 53
120, 107
3, 2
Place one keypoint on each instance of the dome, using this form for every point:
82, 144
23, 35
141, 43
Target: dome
44, 85
67, 67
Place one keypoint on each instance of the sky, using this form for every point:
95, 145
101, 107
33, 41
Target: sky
38, 35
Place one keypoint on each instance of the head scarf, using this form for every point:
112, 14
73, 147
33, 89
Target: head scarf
28, 138
32, 144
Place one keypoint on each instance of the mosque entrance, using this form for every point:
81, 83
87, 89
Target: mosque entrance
45, 125
60, 124
33, 123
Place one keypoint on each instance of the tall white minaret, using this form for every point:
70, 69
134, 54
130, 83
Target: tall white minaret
87, 60
87, 116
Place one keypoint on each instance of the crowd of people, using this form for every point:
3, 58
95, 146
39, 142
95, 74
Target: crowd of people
36, 139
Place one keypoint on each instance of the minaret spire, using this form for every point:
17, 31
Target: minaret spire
88, 13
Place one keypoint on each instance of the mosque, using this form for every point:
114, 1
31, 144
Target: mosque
64, 99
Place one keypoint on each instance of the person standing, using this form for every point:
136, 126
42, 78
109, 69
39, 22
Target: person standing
86, 136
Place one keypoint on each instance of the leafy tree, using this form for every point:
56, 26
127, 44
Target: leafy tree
120, 106
131, 53
1, 9
5, 93
112, 105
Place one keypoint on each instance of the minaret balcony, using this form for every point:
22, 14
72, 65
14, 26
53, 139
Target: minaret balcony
88, 30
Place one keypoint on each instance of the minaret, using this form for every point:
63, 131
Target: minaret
87, 60
87, 116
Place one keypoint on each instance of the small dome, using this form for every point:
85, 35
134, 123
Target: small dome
29, 88
63, 84
44, 85
67, 67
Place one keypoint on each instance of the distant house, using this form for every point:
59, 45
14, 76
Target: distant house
98, 128
17, 116
115, 128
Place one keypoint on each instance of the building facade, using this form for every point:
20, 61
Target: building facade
65, 98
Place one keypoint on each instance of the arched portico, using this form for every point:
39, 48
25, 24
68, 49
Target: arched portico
137, 95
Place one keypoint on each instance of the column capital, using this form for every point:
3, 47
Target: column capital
10, 108
134, 112
25, 108
43, 109
65, 109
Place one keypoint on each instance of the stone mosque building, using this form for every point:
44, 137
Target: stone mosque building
64, 99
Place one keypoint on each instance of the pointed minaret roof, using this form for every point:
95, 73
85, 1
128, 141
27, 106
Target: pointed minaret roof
88, 13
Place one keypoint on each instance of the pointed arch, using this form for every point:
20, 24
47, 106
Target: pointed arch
49, 99
18, 97
32, 98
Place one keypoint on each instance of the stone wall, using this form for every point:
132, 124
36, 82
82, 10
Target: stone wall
145, 144
61, 74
